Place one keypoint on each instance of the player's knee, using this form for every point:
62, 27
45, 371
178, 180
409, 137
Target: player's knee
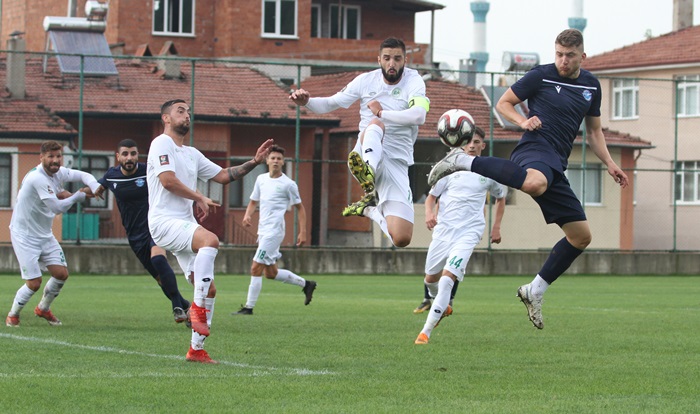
378, 122
271, 272
256, 269
401, 240
581, 241
34, 284
534, 186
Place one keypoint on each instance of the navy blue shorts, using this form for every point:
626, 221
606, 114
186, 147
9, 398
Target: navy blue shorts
142, 249
558, 204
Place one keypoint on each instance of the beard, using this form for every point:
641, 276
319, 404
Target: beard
182, 129
129, 166
392, 78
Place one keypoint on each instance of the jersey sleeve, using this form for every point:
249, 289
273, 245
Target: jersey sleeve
528, 85
160, 156
350, 93
594, 110
439, 187
294, 197
255, 195
497, 190
206, 169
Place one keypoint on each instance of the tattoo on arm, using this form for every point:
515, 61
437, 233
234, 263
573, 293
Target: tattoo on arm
234, 173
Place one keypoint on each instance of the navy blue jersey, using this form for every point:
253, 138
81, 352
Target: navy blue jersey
131, 193
561, 104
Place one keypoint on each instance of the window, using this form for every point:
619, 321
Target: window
689, 95
280, 18
349, 18
593, 182
625, 99
97, 165
173, 17
239, 191
5, 180
687, 182
315, 20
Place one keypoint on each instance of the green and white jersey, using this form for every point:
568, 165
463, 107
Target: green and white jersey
462, 196
275, 196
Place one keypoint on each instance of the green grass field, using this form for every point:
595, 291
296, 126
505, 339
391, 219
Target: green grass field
610, 345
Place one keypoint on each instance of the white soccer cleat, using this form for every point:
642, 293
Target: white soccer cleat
454, 161
533, 305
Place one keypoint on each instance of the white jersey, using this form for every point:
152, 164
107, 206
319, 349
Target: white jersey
275, 196
188, 164
31, 216
462, 198
398, 139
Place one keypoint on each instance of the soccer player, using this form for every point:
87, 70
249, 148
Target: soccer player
172, 173
41, 197
274, 192
457, 228
393, 105
559, 95
127, 181
431, 221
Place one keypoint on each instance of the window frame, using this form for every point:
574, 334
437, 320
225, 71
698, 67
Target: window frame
620, 89
683, 86
180, 33
13, 153
278, 26
679, 182
576, 183
333, 11
317, 23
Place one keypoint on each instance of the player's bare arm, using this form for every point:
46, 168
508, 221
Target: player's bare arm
596, 139
431, 212
171, 183
301, 214
375, 107
248, 217
231, 174
506, 107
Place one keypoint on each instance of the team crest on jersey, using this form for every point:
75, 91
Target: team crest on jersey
140, 182
482, 180
49, 189
164, 160
587, 95
396, 93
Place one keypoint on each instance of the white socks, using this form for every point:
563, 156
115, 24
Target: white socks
538, 286
372, 145
442, 300
51, 290
203, 273
285, 276
21, 298
253, 291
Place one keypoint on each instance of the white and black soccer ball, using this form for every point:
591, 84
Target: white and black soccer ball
455, 128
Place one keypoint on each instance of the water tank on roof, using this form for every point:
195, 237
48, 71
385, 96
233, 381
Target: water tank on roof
519, 61
73, 24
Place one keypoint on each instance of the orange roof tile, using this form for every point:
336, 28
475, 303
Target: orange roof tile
679, 47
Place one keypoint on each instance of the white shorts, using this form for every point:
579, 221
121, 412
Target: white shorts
450, 256
34, 254
176, 236
268, 249
394, 189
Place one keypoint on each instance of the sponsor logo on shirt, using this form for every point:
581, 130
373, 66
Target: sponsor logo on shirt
164, 160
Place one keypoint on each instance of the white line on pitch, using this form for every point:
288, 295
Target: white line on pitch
258, 370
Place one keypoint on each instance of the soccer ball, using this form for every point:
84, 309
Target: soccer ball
455, 128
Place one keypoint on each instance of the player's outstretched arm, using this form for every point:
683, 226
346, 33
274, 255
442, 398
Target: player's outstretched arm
301, 237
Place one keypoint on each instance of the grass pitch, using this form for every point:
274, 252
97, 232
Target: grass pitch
610, 345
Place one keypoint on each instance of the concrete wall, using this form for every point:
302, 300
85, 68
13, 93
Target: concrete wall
94, 259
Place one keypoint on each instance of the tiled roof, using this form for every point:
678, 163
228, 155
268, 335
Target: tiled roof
443, 96
679, 47
29, 118
225, 93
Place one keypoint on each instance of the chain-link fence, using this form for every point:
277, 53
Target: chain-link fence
93, 102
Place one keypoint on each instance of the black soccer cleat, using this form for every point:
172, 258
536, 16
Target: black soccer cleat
243, 311
308, 290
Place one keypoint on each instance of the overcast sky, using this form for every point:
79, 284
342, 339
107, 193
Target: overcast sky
532, 26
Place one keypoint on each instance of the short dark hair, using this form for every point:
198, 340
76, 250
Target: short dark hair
277, 148
570, 38
128, 143
48, 146
165, 108
480, 132
392, 43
